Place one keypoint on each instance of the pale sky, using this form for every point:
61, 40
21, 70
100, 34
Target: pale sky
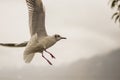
86, 24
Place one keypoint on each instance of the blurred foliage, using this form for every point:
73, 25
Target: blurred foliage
115, 4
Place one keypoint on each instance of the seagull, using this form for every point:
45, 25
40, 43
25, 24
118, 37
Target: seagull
40, 41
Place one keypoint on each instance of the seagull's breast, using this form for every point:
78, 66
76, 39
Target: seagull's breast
33, 46
47, 42
36, 45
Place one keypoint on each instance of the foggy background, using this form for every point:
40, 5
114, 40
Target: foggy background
91, 51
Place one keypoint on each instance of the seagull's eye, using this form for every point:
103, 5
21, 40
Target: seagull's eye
56, 36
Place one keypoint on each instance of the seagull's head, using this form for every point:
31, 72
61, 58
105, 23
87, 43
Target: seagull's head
58, 37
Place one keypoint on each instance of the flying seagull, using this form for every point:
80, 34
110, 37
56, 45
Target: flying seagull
40, 40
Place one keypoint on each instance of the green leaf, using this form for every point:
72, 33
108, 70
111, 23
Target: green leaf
119, 7
114, 14
117, 17
113, 4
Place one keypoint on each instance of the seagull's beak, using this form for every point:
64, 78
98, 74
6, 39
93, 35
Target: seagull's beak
63, 38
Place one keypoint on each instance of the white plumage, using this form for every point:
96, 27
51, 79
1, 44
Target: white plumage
39, 40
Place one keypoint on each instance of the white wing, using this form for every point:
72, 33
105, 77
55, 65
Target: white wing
36, 18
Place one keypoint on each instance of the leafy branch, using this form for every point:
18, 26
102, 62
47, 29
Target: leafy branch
115, 4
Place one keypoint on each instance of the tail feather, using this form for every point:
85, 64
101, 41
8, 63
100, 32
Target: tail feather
14, 44
28, 57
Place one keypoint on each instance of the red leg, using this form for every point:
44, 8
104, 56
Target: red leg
50, 54
46, 59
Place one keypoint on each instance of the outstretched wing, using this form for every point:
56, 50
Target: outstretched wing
36, 18
23, 44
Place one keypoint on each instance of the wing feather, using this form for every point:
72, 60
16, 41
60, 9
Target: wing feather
36, 18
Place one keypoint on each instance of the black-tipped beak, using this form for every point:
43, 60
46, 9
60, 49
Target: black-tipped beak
63, 38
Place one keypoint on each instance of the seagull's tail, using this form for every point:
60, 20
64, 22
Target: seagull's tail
28, 57
14, 44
